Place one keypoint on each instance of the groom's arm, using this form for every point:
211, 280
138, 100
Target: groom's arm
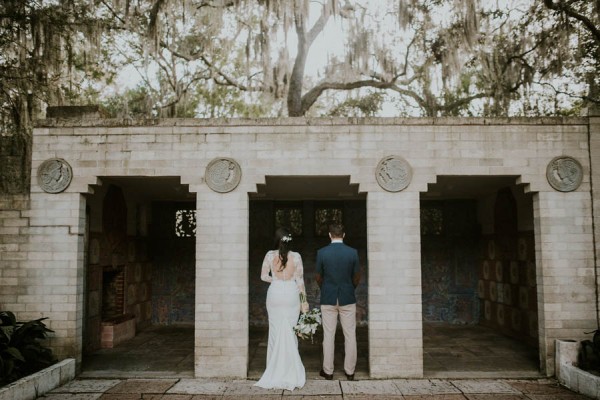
319, 279
319, 270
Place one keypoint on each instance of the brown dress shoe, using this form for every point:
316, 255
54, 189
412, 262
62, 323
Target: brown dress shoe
326, 376
350, 377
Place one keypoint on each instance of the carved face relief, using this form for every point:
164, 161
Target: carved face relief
393, 173
54, 175
223, 175
564, 173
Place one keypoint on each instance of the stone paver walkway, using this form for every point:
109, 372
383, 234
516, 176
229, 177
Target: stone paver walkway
408, 389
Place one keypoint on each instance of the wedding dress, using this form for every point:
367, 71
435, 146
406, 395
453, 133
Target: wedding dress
284, 367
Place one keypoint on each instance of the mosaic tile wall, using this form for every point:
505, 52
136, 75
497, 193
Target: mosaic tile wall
507, 279
449, 259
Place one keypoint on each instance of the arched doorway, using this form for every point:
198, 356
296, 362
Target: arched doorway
139, 278
478, 278
306, 205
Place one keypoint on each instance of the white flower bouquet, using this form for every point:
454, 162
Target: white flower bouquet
308, 324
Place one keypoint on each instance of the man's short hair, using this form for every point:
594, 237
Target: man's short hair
336, 230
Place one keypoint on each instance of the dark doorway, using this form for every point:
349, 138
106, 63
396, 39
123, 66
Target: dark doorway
305, 205
477, 256
173, 260
140, 270
450, 237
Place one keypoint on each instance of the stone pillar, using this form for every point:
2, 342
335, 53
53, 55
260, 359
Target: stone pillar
567, 352
594, 135
55, 268
395, 316
221, 338
565, 268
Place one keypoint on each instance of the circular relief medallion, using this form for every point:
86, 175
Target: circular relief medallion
487, 310
481, 289
499, 271
486, 270
223, 175
493, 291
393, 173
54, 175
564, 173
500, 314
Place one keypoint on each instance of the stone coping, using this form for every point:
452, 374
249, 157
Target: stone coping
569, 375
41, 382
301, 121
580, 381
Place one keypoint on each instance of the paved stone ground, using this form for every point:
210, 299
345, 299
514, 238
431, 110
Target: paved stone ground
408, 389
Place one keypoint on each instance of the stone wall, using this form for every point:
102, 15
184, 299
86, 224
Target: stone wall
43, 276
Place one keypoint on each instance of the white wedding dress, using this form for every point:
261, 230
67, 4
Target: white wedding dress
284, 367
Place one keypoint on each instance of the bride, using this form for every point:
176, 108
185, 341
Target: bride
283, 269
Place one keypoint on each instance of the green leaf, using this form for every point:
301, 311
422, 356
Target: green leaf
7, 318
15, 353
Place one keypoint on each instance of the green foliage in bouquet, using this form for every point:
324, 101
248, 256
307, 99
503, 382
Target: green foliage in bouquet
308, 324
21, 352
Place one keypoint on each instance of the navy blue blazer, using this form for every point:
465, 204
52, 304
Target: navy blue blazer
337, 264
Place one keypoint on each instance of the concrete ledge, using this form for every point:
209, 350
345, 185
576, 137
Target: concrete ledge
35, 385
580, 381
569, 375
301, 121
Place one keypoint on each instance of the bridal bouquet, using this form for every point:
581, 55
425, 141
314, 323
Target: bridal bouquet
308, 324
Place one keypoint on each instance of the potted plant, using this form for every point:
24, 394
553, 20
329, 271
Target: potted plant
21, 351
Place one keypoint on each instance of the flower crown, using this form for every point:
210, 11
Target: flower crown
286, 239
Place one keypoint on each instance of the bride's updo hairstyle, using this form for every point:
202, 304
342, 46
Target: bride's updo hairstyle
283, 240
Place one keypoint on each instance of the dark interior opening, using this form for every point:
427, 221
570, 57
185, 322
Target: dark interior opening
113, 281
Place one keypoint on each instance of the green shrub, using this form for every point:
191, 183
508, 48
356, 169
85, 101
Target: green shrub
21, 352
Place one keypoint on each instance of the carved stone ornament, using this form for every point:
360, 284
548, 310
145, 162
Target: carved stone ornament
564, 173
393, 173
54, 175
223, 174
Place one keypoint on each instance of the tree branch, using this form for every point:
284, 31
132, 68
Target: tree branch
569, 11
313, 94
227, 79
317, 27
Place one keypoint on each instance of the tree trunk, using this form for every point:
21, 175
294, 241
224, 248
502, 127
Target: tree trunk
294, 97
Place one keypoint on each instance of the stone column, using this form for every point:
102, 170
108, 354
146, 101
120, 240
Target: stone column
55, 268
395, 317
594, 135
221, 337
565, 268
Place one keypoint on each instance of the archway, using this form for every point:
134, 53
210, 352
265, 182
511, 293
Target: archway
140, 277
306, 204
478, 278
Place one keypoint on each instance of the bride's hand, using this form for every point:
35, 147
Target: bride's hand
304, 308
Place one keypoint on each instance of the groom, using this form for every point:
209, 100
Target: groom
338, 275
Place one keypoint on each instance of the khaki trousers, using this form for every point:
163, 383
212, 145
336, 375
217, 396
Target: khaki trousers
329, 316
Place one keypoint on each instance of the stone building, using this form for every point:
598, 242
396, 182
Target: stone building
458, 221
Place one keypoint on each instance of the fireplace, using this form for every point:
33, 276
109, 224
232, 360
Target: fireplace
113, 292
116, 325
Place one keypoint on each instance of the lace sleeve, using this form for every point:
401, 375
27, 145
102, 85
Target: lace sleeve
299, 279
266, 268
